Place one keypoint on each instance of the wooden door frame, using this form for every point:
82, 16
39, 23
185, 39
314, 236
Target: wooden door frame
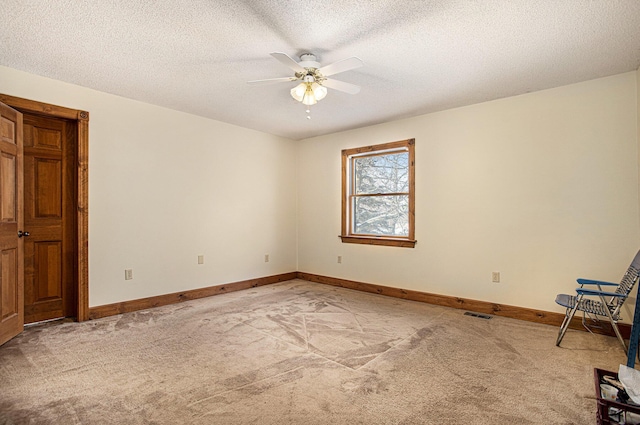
82, 120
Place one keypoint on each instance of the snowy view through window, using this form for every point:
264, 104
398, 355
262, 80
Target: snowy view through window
381, 194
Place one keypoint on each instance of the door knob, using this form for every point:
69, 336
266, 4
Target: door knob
21, 234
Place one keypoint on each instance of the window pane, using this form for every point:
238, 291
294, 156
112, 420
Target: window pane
381, 215
382, 173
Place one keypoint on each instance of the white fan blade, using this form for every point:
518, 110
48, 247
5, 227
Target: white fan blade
287, 61
341, 66
272, 80
341, 86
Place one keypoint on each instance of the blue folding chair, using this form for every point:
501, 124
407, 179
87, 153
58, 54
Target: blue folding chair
607, 304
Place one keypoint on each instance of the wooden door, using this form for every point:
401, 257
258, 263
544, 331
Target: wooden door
50, 200
11, 247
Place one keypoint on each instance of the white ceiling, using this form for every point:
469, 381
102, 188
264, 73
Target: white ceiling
419, 56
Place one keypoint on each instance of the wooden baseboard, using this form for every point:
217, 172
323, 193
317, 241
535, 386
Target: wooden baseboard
178, 297
514, 312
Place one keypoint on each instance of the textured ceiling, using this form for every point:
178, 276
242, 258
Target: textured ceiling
419, 56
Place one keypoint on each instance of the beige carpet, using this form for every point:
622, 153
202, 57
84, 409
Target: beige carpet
301, 353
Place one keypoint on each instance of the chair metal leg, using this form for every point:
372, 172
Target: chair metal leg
614, 325
565, 323
620, 338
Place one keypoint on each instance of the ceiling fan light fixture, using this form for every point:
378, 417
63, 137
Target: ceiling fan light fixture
308, 93
298, 91
309, 97
319, 91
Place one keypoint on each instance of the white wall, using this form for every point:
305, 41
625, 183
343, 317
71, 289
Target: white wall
541, 187
166, 186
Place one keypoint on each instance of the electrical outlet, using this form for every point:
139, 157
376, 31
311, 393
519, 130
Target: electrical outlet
339, 259
128, 274
495, 277
266, 258
200, 259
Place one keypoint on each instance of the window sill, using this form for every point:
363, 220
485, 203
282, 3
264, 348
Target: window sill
367, 240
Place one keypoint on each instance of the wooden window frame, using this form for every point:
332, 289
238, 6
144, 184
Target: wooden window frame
347, 235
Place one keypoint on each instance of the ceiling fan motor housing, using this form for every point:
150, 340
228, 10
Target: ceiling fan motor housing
308, 60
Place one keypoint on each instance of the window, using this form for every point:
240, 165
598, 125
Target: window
378, 194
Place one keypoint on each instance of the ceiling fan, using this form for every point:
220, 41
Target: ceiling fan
313, 77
